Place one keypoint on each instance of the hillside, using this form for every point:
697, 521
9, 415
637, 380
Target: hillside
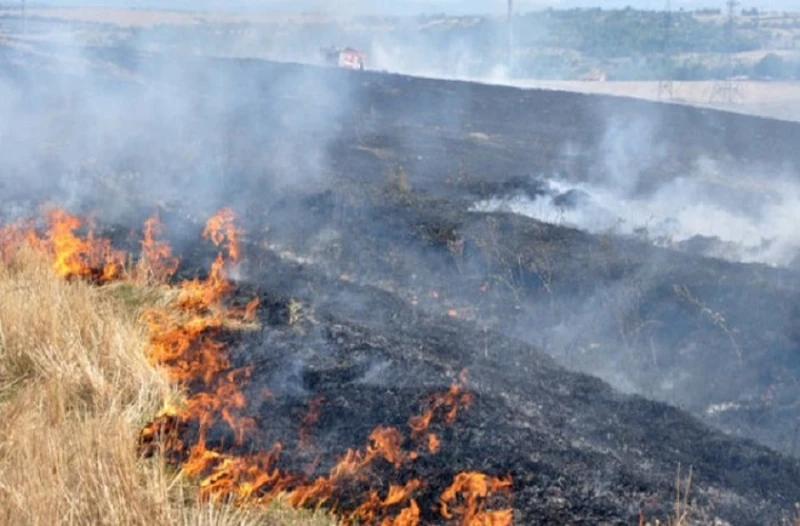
401, 219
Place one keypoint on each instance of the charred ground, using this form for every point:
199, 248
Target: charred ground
578, 450
355, 192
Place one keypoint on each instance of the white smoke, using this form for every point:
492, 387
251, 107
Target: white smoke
748, 225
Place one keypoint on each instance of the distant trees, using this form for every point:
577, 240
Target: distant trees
708, 11
625, 32
628, 44
771, 66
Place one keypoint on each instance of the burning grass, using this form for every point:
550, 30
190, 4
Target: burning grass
75, 389
91, 367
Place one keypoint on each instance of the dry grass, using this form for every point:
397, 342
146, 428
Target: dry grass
75, 388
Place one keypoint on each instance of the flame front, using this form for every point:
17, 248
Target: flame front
308, 421
186, 339
220, 229
465, 500
156, 263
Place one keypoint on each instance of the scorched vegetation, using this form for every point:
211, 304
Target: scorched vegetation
87, 379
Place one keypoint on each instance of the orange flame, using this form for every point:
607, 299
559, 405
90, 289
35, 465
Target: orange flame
185, 340
311, 418
433, 443
16, 234
448, 403
196, 294
76, 257
465, 499
250, 310
220, 228
156, 263
72, 255
199, 294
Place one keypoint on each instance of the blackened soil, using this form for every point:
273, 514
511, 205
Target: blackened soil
579, 451
693, 331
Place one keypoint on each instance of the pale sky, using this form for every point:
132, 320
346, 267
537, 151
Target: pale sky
413, 6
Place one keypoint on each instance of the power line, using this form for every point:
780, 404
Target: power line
665, 66
510, 50
727, 89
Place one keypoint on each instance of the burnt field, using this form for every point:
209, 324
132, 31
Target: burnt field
600, 359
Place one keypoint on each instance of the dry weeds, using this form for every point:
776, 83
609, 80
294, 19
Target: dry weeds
75, 388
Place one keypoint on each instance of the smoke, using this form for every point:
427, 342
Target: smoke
742, 213
693, 213
459, 58
106, 129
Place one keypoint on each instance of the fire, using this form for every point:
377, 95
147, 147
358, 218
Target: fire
311, 418
76, 257
156, 263
14, 235
73, 256
199, 294
447, 403
408, 516
370, 510
465, 499
220, 228
187, 340
189, 348
433, 443
250, 310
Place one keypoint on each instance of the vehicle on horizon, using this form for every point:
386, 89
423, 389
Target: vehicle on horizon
347, 57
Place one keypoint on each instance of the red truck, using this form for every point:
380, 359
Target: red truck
347, 58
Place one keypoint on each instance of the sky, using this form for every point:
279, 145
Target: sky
410, 7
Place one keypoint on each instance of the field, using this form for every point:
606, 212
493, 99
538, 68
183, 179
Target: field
409, 300
779, 100
148, 18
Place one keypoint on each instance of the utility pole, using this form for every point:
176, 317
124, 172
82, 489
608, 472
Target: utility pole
726, 89
665, 73
510, 49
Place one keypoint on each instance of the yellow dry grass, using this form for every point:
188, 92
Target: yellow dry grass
75, 388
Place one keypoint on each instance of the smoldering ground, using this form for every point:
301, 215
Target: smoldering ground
738, 213
639, 330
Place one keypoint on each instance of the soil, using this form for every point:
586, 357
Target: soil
354, 190
578, 450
